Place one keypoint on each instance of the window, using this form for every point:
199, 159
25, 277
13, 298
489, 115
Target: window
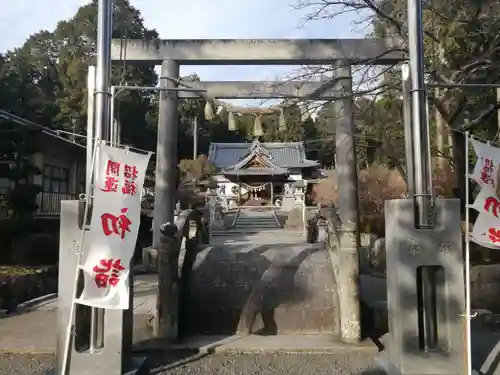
55, 179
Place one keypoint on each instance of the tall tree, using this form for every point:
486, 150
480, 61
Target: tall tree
47, 76
17, 146
461, 46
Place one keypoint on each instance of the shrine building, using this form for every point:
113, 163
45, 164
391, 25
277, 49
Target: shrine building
261, 173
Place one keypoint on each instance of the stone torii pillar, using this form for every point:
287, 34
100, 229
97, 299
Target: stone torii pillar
347, 175
166, 151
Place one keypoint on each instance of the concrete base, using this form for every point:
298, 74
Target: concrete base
265, 344
407, 250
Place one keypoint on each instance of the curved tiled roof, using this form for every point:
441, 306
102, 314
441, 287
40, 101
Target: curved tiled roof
282, 155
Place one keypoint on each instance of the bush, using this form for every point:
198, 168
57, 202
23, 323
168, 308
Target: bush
378, 184
375, 185
40, 249
196, 169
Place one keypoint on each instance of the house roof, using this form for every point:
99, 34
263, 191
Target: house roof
276, 157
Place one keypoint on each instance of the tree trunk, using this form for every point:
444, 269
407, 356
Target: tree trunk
459, 161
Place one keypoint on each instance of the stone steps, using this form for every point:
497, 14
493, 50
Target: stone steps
248, 221
252, 220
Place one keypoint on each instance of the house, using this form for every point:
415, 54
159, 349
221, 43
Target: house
262, 172
61, 162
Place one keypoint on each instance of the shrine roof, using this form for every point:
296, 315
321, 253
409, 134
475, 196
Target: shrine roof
256, 171
282, 155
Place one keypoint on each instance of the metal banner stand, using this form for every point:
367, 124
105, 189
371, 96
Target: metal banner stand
425, 282
468, 315
110, 331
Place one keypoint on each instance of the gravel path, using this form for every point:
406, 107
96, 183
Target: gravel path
26, 364
266, 364
217, 364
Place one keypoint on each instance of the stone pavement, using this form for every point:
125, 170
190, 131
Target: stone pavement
33, 330
271, 282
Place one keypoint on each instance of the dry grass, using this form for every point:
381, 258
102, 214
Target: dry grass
376, 185
19, 270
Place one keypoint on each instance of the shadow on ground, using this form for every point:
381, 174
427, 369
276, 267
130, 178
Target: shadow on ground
268, 289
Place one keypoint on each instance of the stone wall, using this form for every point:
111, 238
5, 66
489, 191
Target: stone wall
21, 288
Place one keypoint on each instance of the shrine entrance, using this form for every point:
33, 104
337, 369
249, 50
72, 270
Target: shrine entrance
256, 194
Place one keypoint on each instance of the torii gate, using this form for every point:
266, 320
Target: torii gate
170, 54
340, 53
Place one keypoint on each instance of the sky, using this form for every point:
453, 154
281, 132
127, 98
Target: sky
189, 19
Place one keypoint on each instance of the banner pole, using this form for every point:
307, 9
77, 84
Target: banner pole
467, 261
69, 329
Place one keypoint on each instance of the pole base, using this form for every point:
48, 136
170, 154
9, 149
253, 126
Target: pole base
410, 252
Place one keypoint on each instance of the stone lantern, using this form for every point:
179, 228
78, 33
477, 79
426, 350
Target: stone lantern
299, 192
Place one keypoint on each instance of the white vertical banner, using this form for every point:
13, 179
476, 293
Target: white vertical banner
114, 227
486, 169
486, 231
487, 201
